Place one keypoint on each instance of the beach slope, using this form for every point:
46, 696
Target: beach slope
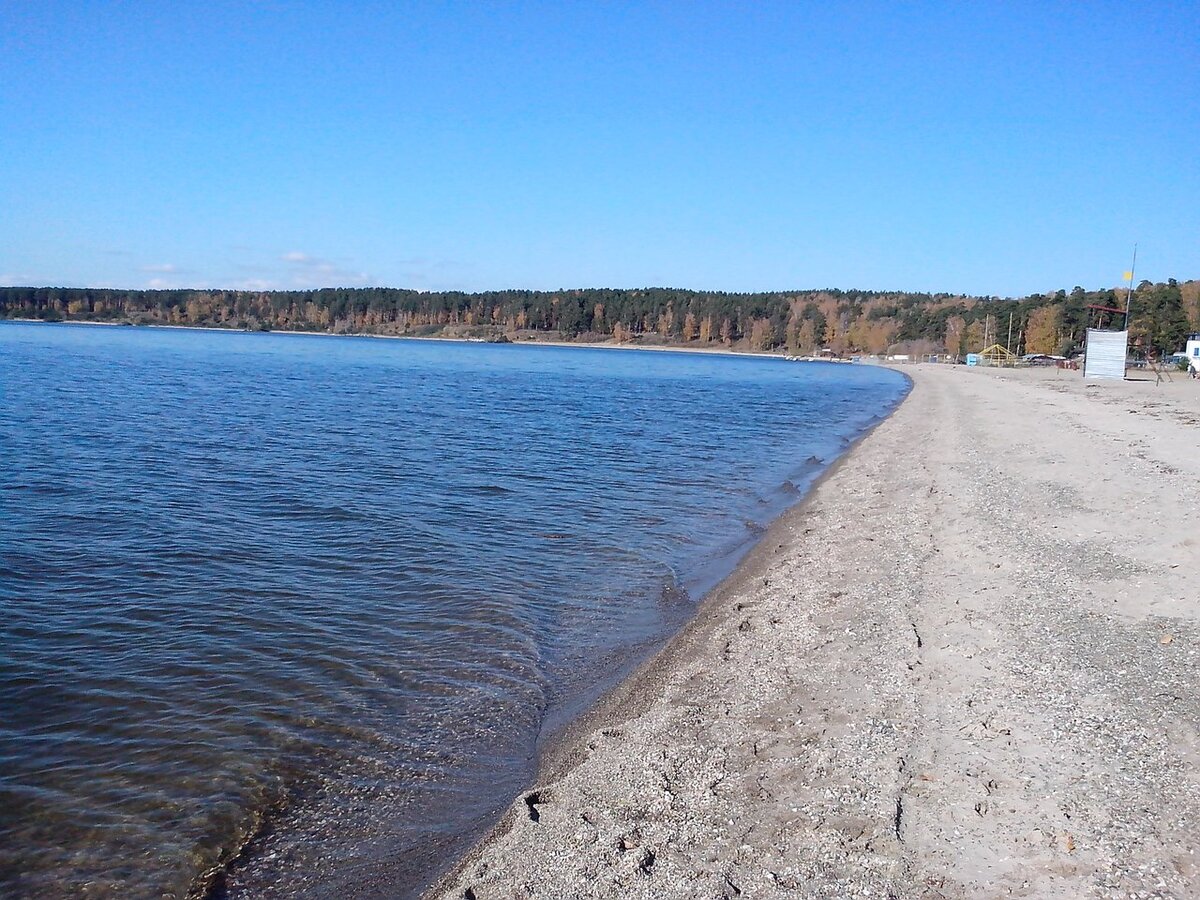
966, 667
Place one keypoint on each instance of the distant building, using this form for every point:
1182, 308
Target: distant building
1041, 359
1192, 352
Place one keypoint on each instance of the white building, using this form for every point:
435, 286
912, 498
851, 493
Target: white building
1192, 351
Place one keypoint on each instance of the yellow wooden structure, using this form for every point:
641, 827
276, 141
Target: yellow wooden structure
997, 355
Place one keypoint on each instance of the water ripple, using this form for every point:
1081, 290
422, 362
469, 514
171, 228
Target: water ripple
317, 597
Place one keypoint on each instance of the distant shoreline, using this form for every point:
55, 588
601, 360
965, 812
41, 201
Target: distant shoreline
604, 345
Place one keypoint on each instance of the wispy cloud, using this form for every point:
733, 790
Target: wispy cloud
255, 284
293, 270
264, 269
306, 271
425, 274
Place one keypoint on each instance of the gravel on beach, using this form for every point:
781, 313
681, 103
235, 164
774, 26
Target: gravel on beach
967, 666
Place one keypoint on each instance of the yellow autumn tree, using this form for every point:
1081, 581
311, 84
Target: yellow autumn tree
1190, 291
665, 320
835, 334
859, 334
1044, 332
806, 337
879, 336
956, 327
761, 337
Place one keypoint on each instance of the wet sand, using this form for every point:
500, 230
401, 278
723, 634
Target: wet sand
967, 666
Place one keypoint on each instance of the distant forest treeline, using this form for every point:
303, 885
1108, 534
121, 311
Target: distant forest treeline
800, 322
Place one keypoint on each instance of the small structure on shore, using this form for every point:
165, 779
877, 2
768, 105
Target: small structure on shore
1104, 355
996, 355
1192, 352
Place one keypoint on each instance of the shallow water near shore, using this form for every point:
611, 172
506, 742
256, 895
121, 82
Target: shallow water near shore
298, 608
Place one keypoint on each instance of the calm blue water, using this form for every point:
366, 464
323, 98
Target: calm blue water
314, 598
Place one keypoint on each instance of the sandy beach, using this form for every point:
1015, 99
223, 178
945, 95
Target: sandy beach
966, 666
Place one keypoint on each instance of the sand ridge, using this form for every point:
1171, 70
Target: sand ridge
967, 666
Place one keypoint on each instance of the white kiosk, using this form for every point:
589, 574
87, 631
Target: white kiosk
1104, 356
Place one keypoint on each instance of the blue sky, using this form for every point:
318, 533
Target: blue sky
993, 148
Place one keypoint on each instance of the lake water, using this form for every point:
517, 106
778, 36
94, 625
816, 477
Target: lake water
285, 611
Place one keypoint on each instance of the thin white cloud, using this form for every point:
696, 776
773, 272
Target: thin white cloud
309, 272
304, 281
160, 284
426, 274
255, 284
161, 268
294, 270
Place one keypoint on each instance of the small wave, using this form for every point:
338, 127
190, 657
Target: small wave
45, 488
294, 509
488, 490
671, 591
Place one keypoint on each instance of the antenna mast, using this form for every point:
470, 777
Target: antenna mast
1129, 289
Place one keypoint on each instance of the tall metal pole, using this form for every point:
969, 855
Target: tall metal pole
1129, 290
